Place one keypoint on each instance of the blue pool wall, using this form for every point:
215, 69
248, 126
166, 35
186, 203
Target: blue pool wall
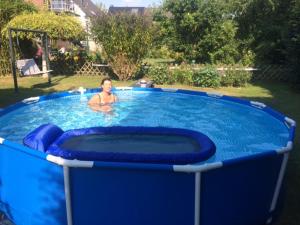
36, 188
33, 191
31, 188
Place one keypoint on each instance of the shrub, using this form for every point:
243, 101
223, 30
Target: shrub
160, 74
8, 10
142, 71
67, 62
159, 52
206, 77
96, 57
126, 38
183, 75
123, 66
236, 77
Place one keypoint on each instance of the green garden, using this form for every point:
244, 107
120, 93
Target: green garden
248, 49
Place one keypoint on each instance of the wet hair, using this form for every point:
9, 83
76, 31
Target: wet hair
105, 79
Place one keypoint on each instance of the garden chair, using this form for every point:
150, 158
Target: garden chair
28, 67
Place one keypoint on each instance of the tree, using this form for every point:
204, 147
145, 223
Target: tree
200, 30
264, 24
125, 38
293, 37
8, 10
220, 45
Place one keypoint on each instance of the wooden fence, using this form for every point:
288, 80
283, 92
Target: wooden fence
262, 72
273, 72
91, 69
85, 69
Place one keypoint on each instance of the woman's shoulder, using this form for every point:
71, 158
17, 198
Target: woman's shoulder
98, 95
95, 99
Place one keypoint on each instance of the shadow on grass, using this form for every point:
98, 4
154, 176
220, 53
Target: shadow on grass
54, 82
286, 100
27, 88
8, 96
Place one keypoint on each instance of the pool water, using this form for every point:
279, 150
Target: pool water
237, 130
132, 143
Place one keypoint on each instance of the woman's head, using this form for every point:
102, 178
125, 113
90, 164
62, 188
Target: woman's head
106, 84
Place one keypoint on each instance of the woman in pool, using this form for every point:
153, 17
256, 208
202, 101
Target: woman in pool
103, 100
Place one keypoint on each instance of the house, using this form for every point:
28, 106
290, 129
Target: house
83, 9
86, 10
37, 3
136, 10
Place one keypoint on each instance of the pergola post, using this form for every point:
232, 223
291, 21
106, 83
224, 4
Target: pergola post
47, 57
12, 53
13, 61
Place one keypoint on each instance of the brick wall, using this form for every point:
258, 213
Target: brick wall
38, 3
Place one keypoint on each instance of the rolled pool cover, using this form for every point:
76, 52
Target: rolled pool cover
178, 146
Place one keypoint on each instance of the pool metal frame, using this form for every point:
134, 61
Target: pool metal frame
193, 168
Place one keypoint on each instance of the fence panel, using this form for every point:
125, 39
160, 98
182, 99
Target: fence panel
87, 68
273, 73
91, 69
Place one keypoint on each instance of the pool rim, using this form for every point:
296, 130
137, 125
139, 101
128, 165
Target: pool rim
289, 123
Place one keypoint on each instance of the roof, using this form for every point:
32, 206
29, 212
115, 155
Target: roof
88, 7
114, 9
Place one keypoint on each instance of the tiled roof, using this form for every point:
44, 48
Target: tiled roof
114, 9
88, 7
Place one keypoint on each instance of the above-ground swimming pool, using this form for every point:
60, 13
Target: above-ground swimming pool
239, 182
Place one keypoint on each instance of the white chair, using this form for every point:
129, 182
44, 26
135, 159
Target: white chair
28, 67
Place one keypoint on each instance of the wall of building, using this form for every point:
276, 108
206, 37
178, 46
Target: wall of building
38, 3
85, 21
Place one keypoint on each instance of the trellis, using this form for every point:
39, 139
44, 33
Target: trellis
91, 69
273, 73
88, 68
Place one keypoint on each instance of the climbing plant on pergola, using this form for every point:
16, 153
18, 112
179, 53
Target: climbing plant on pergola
44, 39
48, 24
60, 26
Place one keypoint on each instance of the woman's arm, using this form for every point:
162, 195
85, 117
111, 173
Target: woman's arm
115, 98
95, 100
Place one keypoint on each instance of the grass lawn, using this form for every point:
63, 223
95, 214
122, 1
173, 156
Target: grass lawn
277, 95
